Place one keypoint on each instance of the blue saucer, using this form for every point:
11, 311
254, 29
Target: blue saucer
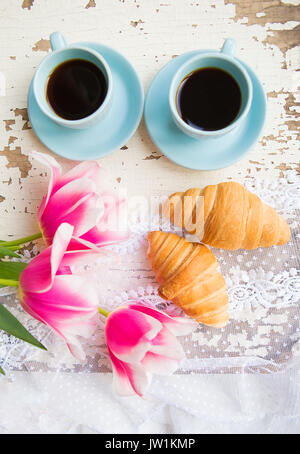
112, 132
204, 153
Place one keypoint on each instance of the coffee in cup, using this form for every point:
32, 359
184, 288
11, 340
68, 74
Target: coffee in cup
73, 85
76, 88
208, 99
211, 93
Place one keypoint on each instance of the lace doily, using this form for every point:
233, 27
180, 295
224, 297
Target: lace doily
263, 334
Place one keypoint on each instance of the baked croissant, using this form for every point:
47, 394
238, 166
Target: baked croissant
232, 217
188, 276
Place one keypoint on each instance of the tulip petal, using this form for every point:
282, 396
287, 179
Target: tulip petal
70, 194
166, 344
72, 198
158, 364
79, 244
121, 383
128, 333
139, 379
27, 308
55, 173
69, 308
179, 326
75, 203
182, 326
38, 276
75, 348
112, 226
128, 379
84, 214
106, 238
86, 169
70, 296
59, 246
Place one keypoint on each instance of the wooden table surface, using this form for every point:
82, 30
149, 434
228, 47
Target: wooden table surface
149, 33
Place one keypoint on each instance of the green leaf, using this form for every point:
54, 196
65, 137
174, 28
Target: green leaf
11, 270
5, 252
2, 371
11, 325
12, 248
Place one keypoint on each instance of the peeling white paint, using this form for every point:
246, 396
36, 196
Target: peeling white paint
291, 2
262, 14
286, 26
148, 46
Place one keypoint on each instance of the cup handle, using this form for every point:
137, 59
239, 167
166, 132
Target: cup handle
57, 41
229, 46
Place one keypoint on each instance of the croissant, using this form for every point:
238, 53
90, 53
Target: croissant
188, 276
232, 217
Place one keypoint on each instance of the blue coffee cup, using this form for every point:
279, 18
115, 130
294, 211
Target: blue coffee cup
62, 52
225, 61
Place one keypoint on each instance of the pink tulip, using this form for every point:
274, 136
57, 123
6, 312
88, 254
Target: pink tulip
142, 341
73, 198
51, 292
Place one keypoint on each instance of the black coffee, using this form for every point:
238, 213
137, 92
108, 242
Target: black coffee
208, 99
76, 89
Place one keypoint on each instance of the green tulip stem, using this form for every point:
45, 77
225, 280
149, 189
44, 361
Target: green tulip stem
24, 240
9, 283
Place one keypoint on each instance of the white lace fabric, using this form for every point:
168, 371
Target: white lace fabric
261, 339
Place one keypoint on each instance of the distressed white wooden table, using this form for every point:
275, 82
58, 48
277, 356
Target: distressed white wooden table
149, 33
